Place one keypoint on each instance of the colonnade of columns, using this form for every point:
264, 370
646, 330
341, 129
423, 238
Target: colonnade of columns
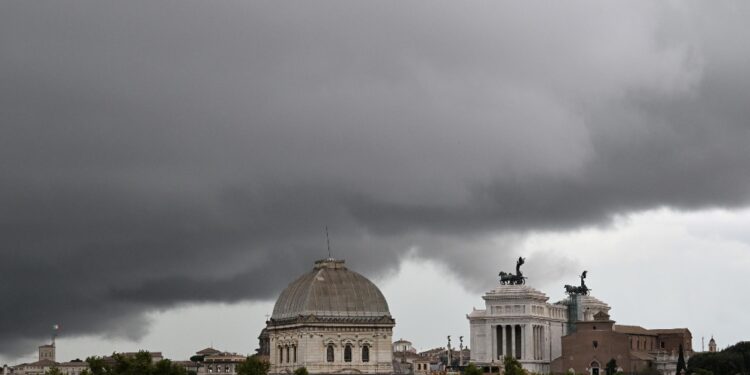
508, 341
522, 341
538, 337
287, 353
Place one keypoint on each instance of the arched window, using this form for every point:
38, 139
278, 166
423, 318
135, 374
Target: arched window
594, 368
281, 355
294, 350
365, 353
348, 353
329, 353
287, 354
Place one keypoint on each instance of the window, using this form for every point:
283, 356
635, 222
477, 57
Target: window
594, 328
210, 369
348, 353
287, 354
281, 355
329, 353
226, 368
662, 344
596, 344
294, 350
365, 353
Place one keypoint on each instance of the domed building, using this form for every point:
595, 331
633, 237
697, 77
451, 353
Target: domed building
331, 320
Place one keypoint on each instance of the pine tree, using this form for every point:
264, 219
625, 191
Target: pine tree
681, 361
611, 367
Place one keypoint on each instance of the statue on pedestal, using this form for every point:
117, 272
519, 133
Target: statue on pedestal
578, 290
511, 279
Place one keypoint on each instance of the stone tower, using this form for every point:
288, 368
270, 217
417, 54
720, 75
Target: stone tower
47, 352
712, 345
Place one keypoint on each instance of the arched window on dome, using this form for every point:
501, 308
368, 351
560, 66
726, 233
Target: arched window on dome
348, 353
366, 353
329, 353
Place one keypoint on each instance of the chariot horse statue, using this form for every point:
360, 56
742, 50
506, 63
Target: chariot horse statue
578, 290
507, 278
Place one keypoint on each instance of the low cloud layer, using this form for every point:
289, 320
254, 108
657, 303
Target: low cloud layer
159, 154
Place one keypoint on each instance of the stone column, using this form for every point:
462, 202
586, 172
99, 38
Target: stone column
508, 339
493, 347
534, 343
528, 338
500, 334
488, 339
513, 340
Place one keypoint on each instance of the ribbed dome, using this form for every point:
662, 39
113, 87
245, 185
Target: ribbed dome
331, 290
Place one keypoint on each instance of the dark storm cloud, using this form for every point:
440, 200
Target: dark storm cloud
155, 154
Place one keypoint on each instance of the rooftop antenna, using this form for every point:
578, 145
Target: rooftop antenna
328, 243
55, 330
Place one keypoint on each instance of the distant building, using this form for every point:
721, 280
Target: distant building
573, 334
221, 363
331, 320
423, 365
518, 321
402, 345
214, 361
634, 349
712, 345
46, 362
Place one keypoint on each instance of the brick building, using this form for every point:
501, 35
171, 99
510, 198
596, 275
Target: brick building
594, 343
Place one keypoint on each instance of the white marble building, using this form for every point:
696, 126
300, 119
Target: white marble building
332, 321
518, 321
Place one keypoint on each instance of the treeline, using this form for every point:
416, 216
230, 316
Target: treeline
734, 360
142, 364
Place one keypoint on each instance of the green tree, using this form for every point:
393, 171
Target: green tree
253, 366
166, 367
512, 366
681, 367
611, 368
97, 366
53, 371
730, 361
301, 371
472, 370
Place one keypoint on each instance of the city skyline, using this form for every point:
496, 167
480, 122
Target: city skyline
167, 165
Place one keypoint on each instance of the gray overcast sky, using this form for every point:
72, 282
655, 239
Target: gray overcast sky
155, 155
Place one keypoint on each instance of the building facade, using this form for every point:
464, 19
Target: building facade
332, 321
221, 363
634, 349
46, 362
517, 321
